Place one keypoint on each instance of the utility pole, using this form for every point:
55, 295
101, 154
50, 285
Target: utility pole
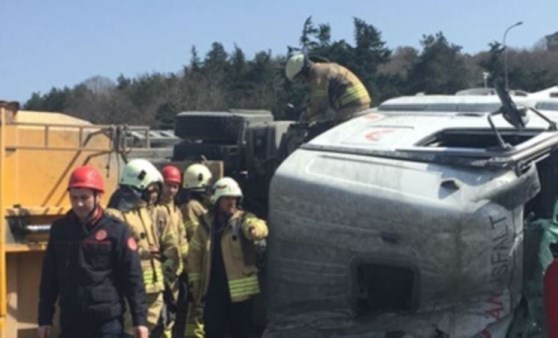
485, 76
519, 23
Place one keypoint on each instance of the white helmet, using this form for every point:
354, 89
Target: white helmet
294, 66
196, 176
140, 173
225, 187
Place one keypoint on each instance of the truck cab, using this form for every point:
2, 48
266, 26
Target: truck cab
414, 223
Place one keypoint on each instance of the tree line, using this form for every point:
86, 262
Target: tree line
222, 80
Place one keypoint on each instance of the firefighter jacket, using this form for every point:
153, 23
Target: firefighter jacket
177, 224
152, 229
334, 87
90, 269
239, 256
192, 211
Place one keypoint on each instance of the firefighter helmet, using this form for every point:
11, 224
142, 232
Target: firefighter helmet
225, 187
139, 174
295, 65
171, 174
86, 177
196, 176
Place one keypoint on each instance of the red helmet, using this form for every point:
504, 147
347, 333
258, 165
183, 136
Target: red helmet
86, 177
171, 174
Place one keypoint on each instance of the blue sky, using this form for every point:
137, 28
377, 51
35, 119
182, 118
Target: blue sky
56, 43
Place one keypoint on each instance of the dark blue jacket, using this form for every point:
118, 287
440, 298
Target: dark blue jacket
91, 269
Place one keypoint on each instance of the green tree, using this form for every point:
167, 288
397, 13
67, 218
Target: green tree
56, 100
369, 53
36, 102
491, 61
164, 116
540, 73
393, 75
217, 58
215, 70
195, 62
309, 32
122, 82
324, 35
239, 86
440, 68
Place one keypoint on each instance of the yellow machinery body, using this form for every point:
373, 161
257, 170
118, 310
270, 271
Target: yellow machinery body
38, 151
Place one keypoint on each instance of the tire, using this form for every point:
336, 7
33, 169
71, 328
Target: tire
217, 127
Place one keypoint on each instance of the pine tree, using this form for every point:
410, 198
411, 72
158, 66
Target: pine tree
440, 68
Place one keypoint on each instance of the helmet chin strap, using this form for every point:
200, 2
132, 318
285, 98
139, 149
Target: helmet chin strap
91, 214
146, 195
128, 198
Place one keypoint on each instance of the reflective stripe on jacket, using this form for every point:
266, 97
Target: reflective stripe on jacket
239, 255
150, 228
334, 87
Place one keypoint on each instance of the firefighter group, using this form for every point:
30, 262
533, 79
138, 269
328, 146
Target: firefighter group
145, 266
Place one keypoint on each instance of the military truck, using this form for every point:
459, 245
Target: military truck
401, 223
250, 143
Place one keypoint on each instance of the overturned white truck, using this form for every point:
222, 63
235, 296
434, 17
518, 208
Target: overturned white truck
420, 219
414, 224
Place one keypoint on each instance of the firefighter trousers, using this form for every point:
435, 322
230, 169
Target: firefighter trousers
154, 307
222, 317
194, 322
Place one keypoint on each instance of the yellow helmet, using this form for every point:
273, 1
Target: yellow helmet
196, 176
294, 66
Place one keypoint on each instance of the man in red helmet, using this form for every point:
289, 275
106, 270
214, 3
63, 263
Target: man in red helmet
172, 180
91, 264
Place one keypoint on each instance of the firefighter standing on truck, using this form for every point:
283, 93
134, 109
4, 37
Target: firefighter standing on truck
91, 263
334, 89
172, 181
196, 183
222, 263
157, 244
